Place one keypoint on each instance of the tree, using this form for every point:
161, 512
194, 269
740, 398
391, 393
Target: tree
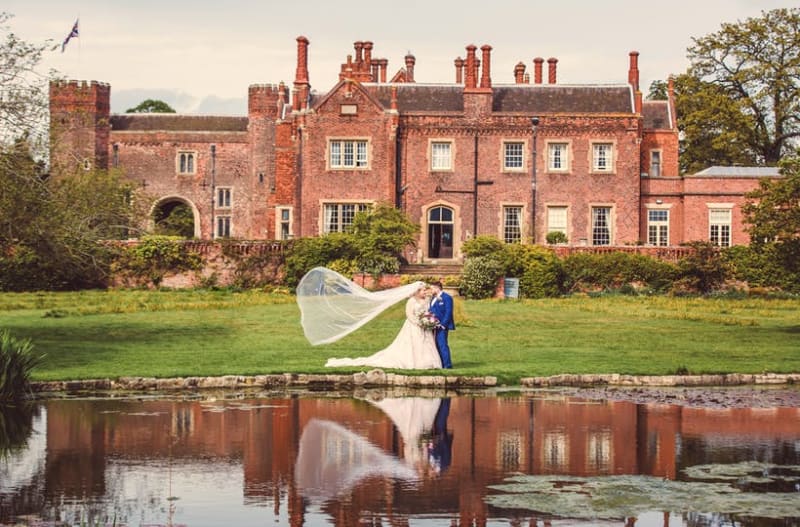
151, 106
23, 90
52, 231
658, 91
744, 84
773, 209
714, 127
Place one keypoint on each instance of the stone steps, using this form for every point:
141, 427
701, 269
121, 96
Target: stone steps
432, 269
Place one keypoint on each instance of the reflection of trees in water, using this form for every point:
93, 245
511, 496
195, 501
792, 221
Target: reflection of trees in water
697, 519
16, 425
21, 458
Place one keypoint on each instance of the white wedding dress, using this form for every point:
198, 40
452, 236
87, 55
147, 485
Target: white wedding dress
414, 348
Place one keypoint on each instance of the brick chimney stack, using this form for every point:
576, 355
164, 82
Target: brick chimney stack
410, 61
383, 65
301, 74
519, 73
358, 46
486, 73
551, 70
367, 56
633, 70
471, 82
459, 62
537, 70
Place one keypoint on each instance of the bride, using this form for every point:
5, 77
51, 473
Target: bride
414, 347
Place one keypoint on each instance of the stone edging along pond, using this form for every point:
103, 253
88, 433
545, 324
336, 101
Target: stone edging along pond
380, 378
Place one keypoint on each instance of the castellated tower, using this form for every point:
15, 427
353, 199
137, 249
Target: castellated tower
264, 108
79, 125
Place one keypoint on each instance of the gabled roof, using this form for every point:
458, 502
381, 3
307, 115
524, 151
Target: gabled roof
151, 122
738, 172
317, 101
656, 115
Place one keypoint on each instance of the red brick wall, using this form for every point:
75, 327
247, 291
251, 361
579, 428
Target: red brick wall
150, 159
79, 123
689, 200
323, 184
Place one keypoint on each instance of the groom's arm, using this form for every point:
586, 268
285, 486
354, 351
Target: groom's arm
448, 308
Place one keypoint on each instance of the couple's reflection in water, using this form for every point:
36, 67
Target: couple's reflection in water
332, 459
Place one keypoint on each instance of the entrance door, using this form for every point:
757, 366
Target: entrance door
440, 232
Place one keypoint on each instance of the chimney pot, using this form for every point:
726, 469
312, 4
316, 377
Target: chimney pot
486, 74
519, 73
410, 61
551, 70
459, 62
537, 70
633, 70
471, 81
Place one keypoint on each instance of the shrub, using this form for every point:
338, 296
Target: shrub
17, 359
585, 271
149, 261
307, 253
703, 270
763, 266
554, 237
483, 245
480, 277
538, 269
373, 245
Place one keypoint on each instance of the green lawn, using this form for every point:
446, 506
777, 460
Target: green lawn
181, 333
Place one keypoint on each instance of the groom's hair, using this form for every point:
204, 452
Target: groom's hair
437, 283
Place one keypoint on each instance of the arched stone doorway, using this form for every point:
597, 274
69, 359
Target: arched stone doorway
175, 216
441, 232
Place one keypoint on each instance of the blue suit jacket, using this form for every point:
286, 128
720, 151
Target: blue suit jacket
442, 307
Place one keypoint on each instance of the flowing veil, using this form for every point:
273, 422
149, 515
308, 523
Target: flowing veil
331, 306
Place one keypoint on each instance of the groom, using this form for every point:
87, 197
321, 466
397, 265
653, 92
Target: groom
442, 307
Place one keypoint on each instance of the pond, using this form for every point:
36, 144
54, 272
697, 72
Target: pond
318, 459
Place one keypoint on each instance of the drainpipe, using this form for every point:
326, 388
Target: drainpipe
213, 189
475, 190
398, 176
534, 126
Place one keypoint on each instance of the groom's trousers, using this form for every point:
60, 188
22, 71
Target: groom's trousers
443, 347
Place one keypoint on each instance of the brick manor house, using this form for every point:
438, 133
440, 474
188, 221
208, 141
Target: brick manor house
515, 160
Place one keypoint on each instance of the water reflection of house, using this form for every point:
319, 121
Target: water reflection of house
493, 437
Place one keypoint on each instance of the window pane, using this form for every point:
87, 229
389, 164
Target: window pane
557, 219
348, 154
361, 154
557, 153
601, 230
190, 163
440, 156
336, 153
447, 215
513, 155
602, 157
285, 214
435, 214
512, 231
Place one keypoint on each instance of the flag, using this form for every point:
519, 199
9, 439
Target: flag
74, 33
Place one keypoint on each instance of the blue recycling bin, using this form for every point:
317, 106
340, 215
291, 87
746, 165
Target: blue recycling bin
511, 287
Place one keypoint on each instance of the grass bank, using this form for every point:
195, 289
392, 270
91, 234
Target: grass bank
192, 333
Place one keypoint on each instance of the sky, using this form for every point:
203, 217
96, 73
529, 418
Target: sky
201, 56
